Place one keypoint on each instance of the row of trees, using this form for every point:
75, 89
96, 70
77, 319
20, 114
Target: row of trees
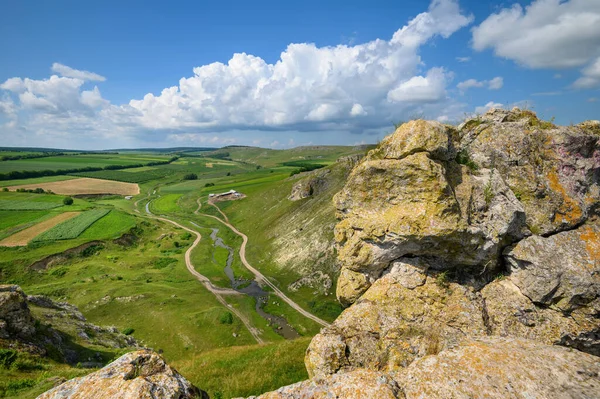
27, 174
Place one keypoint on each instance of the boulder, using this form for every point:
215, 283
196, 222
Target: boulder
497, 368
15, 317
140, 374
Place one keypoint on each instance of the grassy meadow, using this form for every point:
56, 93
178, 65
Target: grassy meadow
141, 283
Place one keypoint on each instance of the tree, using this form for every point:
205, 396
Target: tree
68, 201
190, 176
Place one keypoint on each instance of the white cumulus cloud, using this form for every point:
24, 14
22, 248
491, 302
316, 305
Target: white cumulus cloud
356, 88
546, 34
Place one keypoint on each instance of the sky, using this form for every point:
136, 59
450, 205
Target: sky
279, 74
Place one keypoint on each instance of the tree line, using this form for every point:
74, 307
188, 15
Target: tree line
27, 174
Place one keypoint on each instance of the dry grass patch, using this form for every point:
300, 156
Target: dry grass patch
24, 236
85, 185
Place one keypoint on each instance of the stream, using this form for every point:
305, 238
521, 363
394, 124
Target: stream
280, 324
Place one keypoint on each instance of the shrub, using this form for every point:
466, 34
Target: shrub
68, 201
228, 173
463, 158
190, 176
7, 357
128, 331
5, 189
209, 184
226, 318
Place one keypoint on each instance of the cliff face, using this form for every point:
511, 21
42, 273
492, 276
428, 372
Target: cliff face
459, 197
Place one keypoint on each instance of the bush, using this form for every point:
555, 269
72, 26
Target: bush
209, 184
228, 173
68, 201
128, 331
5, 189
190, 176
226, 318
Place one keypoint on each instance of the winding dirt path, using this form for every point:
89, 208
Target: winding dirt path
216, 291
258, 274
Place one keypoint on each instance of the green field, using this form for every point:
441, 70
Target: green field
112, 225
73, 227
27, 205
141, 281
126, 175
46, 179
75, 161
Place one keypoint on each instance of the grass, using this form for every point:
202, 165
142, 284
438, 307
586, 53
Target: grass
112, 225
73, 227
247, 370
126, 175
75, 161
11, 218
46, 179
165, 204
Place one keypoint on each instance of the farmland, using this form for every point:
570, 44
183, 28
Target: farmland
127, 175
72, 227
23, 237
84, 185
77, 161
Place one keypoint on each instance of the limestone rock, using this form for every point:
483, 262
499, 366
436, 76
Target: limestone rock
359, 384
497, 368
15, 317
309, 185
562, 271
554, 170
141, 374
462, 196
509, 313
408, 313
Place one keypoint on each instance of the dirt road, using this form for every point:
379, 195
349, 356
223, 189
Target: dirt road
258, 274
216, 291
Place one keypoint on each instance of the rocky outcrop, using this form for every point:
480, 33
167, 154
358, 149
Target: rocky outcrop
492, 368
551, 296
310, 185
484, 232
15, 318
461, 196
35, 323
141, 374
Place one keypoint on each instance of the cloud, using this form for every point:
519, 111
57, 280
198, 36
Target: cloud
346, 88
310, 85
493, 84
546, 34
592, 100
483, 109
463, 59
496, 83
590, 78
469, 84
69, 72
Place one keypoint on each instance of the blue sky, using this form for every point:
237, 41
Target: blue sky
94, 75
